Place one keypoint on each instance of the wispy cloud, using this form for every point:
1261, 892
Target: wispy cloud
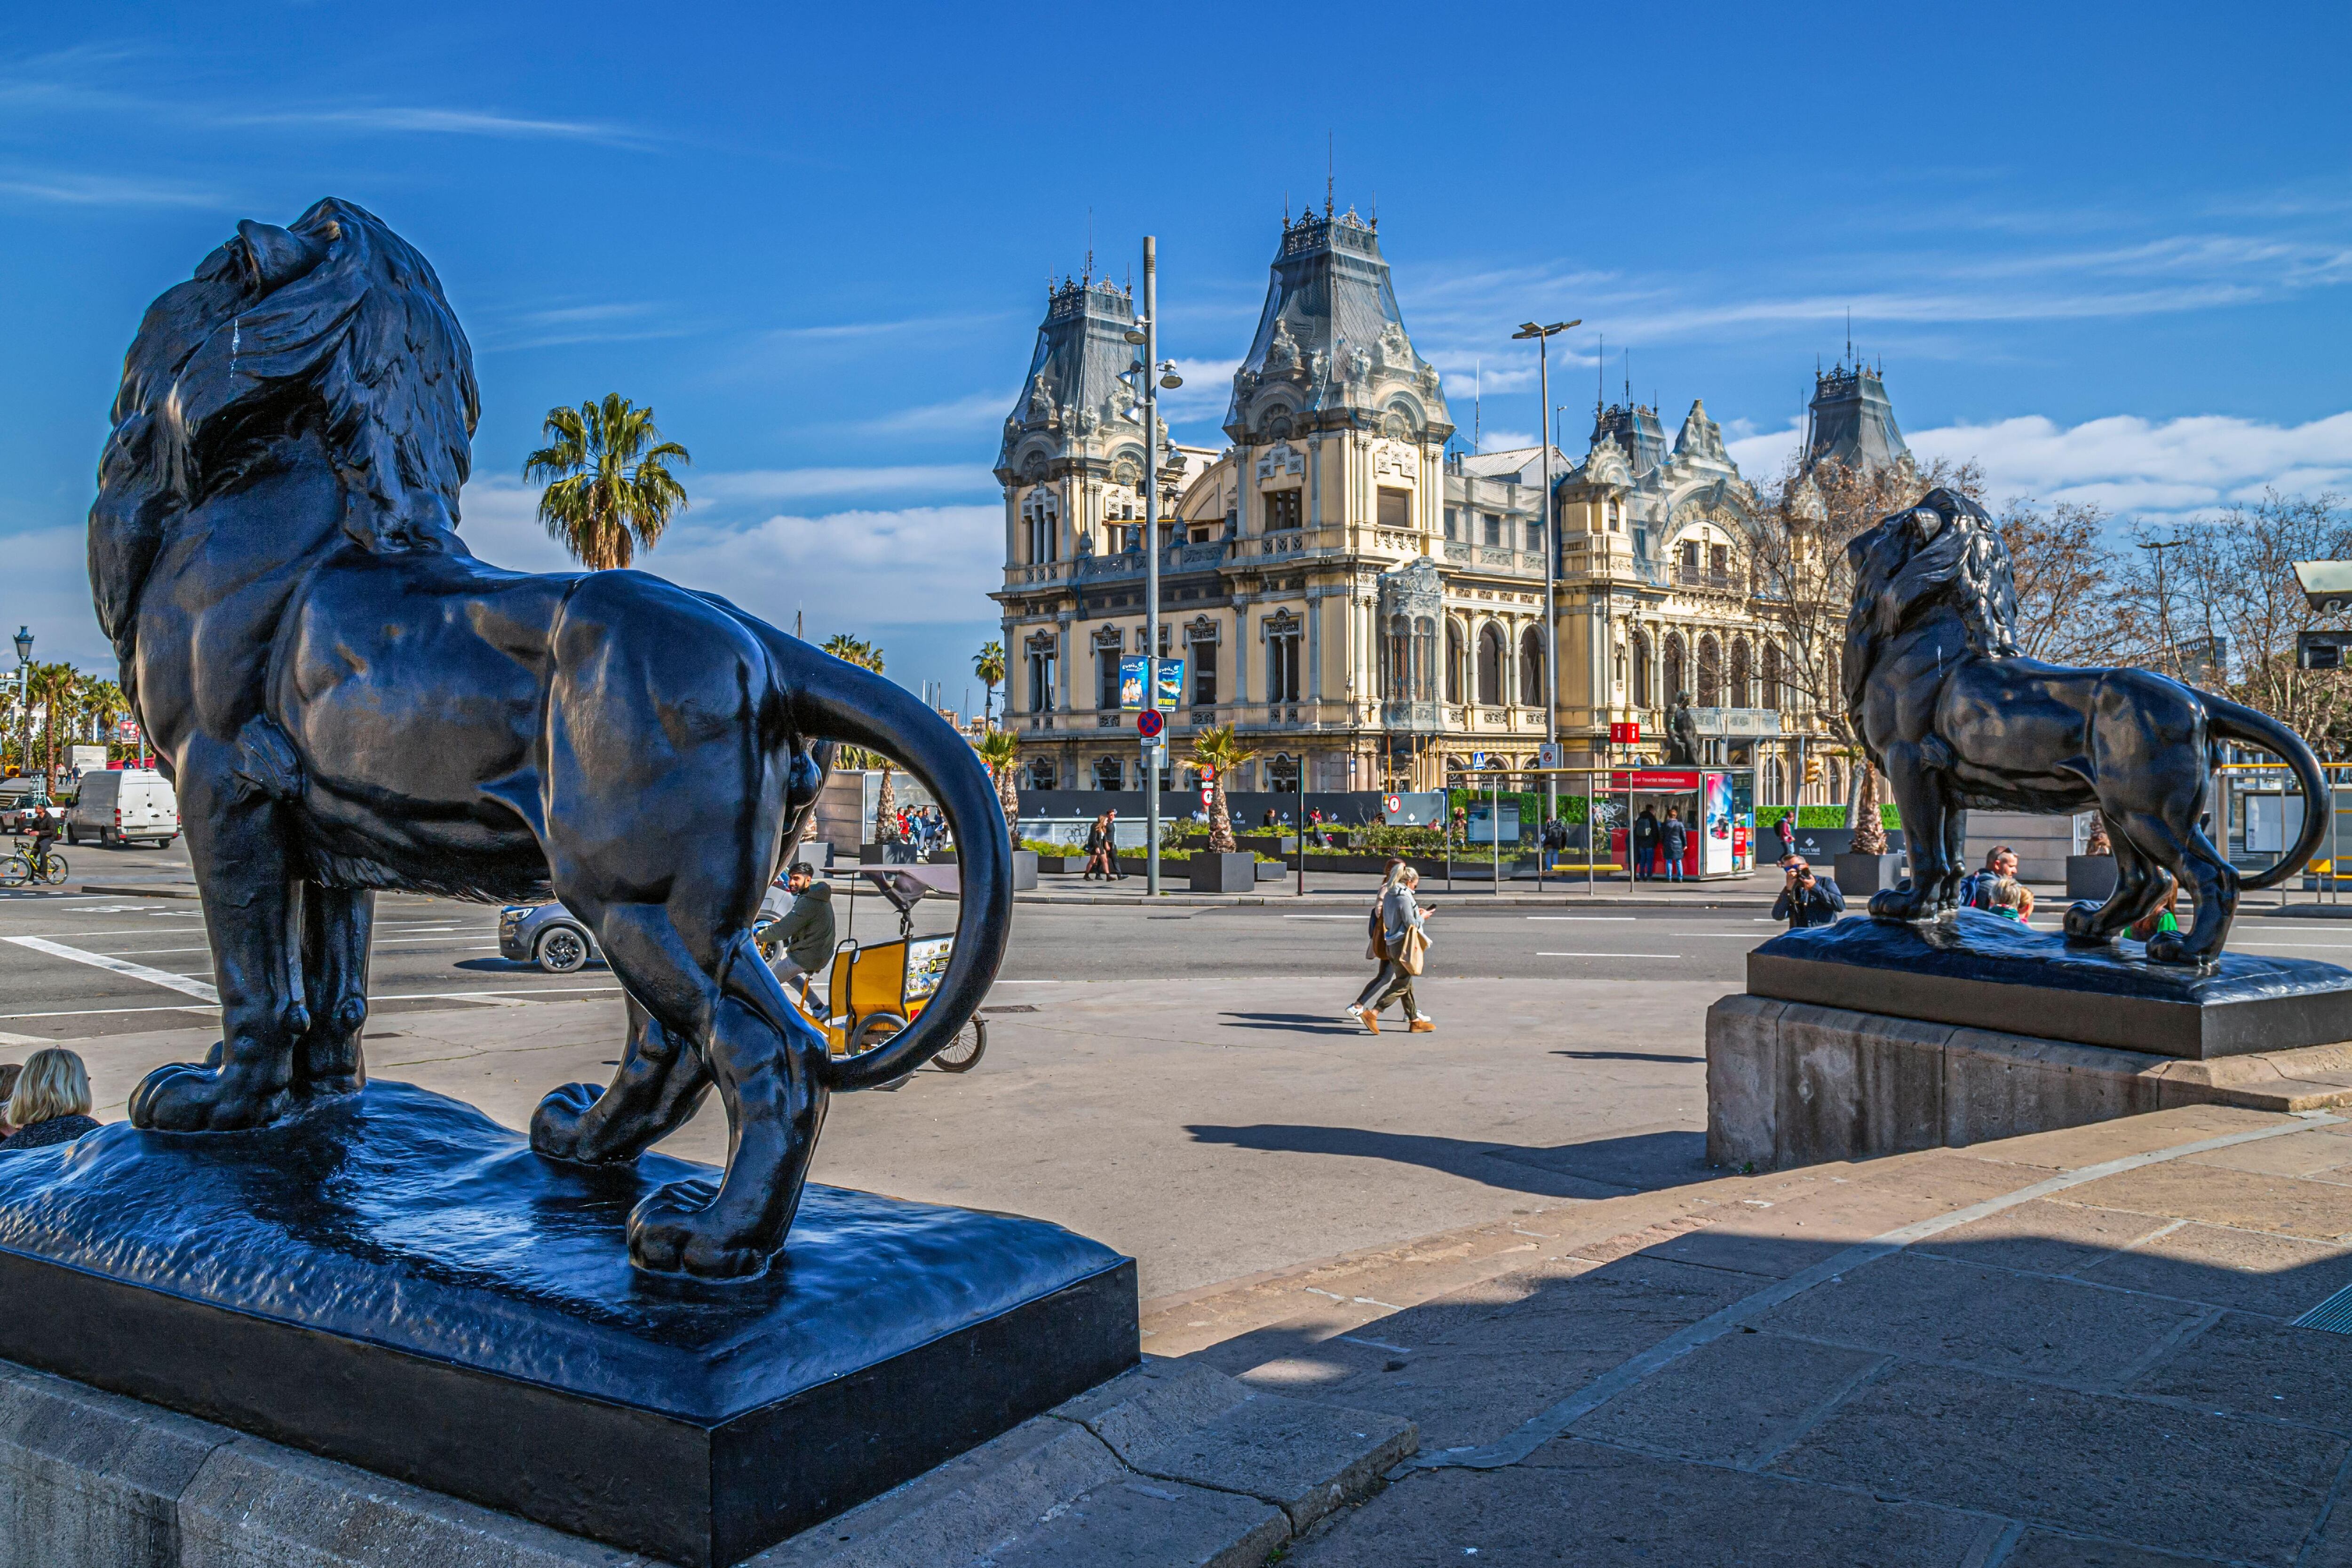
71, 188
2168, 469
399, 118
973, 411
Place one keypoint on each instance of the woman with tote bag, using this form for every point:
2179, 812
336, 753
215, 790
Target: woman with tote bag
1400, 946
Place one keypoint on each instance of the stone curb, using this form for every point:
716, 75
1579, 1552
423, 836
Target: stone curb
1171, 1463
110, 891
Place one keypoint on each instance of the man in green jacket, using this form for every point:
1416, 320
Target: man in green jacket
801, 941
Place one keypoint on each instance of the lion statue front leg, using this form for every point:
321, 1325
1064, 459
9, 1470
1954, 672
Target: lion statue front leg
237, 839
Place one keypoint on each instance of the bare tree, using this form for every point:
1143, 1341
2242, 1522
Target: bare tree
2070, 606
2220, 608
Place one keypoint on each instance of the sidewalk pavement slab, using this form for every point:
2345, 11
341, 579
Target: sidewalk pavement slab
2071, 1348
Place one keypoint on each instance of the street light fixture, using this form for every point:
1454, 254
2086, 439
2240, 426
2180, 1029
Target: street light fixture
25, 700
1543, 336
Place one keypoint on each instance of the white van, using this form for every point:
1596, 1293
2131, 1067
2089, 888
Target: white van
124, 805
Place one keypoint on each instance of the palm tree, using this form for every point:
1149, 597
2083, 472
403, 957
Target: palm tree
989, 665
1218, 753
609, 488
1001, 750
53, 688
858, 651
103, 701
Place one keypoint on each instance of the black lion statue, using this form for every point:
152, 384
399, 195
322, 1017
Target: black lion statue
348, 700
1955, 717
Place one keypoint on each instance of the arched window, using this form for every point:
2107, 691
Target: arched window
1710, 672
1424, 659
1107, 772
1771, 694
1675, 685
1397, 666
1282, 773
1642, 697
1490, 666
1531, 668
1453, 660
1742, 677
1040, 774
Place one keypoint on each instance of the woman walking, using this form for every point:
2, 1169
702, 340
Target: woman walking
1399, 948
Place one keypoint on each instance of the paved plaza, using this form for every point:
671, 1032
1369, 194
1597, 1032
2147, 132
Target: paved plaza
1502, 1241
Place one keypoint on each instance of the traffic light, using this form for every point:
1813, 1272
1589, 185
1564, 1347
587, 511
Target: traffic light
1812, 770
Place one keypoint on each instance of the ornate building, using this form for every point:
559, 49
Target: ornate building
1360, 603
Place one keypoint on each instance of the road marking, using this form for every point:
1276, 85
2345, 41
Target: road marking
33, 1040
1357, 918
1626, 918
2267, 942
1546, 1425
162, 977
1607, 955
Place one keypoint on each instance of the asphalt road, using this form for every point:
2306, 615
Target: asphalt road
75, 966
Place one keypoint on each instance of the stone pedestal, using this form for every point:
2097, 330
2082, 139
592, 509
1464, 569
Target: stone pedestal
1859, 875
1235, 873
395, 1281
1789, 1083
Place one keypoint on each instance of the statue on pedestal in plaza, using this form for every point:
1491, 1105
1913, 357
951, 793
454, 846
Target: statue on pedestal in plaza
348, 700
1681, 733
1956, 716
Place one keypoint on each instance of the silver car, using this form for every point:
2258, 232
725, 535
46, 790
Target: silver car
548, 936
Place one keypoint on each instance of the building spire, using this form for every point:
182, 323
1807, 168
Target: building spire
1330, 170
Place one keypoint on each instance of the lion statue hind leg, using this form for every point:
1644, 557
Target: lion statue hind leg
2191, 857
2137, 891
660, 1083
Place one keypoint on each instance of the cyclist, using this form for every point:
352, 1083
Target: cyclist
45, 838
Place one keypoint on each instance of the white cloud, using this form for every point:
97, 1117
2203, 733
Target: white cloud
973, 411
858, 566
2174, 467
438, 121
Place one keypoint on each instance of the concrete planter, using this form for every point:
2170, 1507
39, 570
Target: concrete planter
1272, 870
2090, 876
1859, 875
1235, 873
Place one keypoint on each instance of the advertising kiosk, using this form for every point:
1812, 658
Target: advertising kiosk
1718, 804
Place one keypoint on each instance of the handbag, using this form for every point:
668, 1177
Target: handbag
1410, 950
1377, 952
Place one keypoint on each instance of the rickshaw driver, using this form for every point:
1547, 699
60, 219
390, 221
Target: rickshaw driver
805, 933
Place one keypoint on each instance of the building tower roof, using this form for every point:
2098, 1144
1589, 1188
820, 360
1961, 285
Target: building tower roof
1636, 429
1851, 421
1330, 347
1072, 389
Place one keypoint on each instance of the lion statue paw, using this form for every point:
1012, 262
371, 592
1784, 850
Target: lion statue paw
679, 1230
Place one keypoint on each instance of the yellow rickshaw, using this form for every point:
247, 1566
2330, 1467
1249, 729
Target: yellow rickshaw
876, 989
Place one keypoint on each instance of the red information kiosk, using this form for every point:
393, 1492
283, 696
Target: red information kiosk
1718, 804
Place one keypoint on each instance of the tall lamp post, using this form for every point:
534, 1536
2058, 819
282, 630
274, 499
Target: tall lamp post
1542, 336
25, 696
1155, 376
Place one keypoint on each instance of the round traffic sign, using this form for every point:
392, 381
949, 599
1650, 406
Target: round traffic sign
1149, 723
1391, 804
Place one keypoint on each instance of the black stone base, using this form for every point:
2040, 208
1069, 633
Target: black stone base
397, 1283
1985, 972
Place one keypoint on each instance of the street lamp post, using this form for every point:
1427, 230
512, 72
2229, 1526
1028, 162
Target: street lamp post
1542, 336
1155, 376
24, 698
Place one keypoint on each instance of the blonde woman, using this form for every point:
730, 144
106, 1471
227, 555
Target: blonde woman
51, 1104
1401, 947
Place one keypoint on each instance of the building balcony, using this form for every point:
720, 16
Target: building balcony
1692, 577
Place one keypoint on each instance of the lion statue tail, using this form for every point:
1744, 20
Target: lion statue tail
2249, 727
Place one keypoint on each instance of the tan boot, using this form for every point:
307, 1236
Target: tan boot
1371, 1020
1424, 1026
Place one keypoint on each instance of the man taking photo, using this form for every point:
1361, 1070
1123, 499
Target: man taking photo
1806, 900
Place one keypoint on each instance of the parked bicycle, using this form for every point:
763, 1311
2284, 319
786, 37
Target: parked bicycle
21, 867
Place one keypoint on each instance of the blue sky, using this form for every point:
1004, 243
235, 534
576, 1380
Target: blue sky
2107, 250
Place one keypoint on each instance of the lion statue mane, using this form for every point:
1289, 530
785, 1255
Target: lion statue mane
348, 699
1956, 716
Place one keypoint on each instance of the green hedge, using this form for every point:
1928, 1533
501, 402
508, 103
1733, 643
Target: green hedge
1831, 817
